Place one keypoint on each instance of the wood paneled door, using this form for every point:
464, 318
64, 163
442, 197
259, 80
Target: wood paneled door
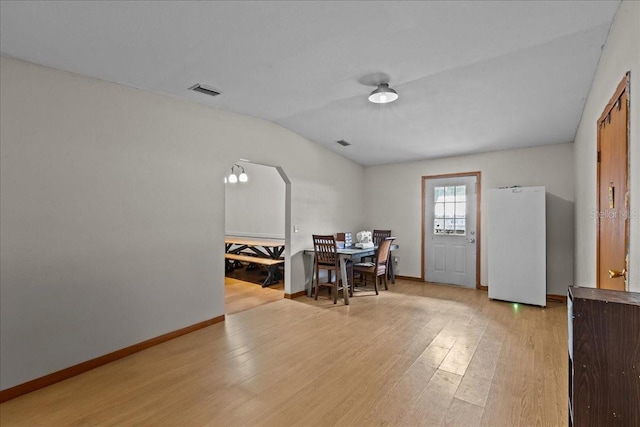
613, 191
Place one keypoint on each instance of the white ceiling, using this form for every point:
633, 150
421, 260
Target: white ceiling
472, 76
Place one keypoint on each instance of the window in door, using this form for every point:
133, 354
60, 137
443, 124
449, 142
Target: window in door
450, 205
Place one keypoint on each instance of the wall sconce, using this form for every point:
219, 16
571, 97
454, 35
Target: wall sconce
235, 177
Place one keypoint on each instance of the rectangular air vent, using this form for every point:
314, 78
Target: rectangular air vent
207, 90
343, 143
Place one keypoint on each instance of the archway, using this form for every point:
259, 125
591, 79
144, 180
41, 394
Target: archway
257, 209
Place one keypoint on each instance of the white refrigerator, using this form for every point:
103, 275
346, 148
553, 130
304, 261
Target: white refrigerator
516, 240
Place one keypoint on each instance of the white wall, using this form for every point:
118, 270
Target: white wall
393, 200
112, 213
621, 54
256, 207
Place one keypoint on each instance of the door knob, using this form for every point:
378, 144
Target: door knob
613, 273
472, 240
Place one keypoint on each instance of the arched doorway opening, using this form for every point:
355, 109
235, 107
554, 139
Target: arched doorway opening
257, 228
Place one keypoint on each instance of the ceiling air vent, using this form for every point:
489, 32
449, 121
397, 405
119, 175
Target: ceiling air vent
207, 90
343, 143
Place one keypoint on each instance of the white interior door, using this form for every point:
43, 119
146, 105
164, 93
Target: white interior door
450, 230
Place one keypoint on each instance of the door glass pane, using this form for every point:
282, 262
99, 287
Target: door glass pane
450, 209
449, 225
450, 193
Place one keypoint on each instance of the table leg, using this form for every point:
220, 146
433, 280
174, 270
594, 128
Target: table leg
313, 275
392, 273
345, 282
271, 277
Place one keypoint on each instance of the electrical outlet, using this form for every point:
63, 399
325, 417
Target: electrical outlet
296, 228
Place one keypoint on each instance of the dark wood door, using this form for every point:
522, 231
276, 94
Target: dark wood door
613, 195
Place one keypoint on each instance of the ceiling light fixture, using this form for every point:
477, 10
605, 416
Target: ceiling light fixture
234, 177
383, 94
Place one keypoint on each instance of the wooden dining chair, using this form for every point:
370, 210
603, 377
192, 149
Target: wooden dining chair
378, 268
377, 236
327, 258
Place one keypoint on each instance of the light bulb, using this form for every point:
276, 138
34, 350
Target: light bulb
233, 178
225, 179
243, 177
383, 95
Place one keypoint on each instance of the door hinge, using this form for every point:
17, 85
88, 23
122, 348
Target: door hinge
598, 157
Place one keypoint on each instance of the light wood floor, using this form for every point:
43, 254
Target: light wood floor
240, 295
418, 354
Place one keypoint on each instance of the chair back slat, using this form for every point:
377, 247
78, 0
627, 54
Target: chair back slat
383, 252
325, 249
379, 235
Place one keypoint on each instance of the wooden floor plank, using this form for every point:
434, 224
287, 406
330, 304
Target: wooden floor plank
462, 413
418, 354
241, 295
432, 406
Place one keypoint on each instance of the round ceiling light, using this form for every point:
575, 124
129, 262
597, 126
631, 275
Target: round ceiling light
383, 94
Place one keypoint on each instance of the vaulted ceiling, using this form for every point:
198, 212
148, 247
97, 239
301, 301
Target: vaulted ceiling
473, 76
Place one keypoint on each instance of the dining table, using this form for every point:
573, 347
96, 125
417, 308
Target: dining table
348, 254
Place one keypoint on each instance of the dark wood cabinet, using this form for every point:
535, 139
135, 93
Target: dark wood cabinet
604, 357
